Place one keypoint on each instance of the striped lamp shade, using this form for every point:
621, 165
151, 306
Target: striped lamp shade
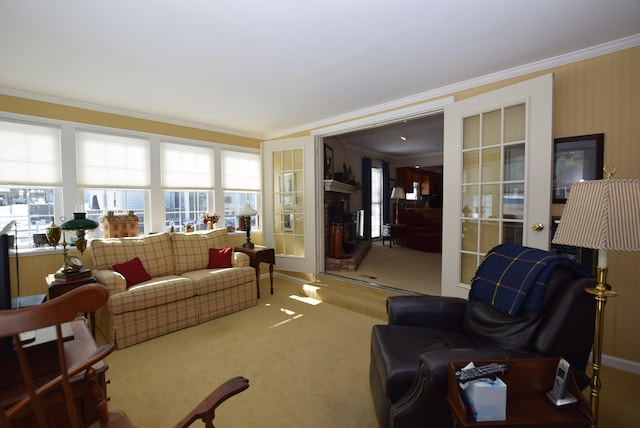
603, 215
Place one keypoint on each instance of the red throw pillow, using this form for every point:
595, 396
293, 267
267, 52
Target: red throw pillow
133, 271
220, 258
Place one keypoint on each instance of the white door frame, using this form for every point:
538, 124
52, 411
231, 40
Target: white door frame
386, 118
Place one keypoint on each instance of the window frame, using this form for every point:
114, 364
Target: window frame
70, 196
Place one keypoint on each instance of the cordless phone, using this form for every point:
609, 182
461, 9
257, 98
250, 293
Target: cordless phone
559, 394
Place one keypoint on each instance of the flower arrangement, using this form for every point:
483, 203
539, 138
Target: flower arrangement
210, 218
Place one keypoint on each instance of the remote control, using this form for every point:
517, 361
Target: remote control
490, 371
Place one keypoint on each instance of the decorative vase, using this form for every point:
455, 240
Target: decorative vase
210, 225
54, 232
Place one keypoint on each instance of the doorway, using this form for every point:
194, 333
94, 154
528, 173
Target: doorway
380, 139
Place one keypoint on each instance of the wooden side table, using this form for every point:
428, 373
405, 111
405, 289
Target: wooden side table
58, 288
527, 405
257, 255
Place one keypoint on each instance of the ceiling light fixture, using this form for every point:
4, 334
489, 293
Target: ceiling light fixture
403, 138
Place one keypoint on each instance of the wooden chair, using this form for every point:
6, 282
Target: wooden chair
59, 399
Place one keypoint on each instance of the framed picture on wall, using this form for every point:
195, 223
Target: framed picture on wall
328, 163
288, 185
287, 221
575, 159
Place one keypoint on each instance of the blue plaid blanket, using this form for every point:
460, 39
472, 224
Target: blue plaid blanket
513, 276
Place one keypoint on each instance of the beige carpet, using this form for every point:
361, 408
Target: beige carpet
397, 267
307, 363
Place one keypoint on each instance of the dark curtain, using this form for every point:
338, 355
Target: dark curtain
386, 192
366, 195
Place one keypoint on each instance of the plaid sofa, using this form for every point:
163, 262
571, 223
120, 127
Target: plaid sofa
182, 292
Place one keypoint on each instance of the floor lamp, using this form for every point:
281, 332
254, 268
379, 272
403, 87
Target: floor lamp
397, 193
603, 215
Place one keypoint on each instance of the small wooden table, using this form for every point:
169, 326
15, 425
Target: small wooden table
392, 231
257, 255
527, 405
57, 288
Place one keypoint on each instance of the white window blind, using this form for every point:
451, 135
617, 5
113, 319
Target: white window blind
113, 161
240, 170
186, 167
30, 154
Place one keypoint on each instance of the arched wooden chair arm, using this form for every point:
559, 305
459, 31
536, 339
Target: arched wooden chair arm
205, 411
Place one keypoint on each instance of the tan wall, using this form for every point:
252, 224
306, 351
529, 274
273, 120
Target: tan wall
73, 114
591, 96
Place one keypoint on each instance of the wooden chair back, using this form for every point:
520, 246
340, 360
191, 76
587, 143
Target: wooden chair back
28, 397
29, 401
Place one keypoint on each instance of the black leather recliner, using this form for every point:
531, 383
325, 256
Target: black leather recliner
410, 355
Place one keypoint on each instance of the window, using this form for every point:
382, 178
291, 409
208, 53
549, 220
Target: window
114, 173
241, 184
49, 170
30, 177
376, 202
97, 202
106, 160
186, 167
185, 208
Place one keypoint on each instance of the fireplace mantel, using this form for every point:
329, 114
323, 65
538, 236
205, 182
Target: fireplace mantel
338, 186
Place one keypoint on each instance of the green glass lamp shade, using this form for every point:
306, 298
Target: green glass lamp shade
79, 222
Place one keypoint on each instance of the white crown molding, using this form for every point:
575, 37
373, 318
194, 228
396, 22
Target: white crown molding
591, 52
598, 50
122, 112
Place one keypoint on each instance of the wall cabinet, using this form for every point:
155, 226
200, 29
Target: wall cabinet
430, 182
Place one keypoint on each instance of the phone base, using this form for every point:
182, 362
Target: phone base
564, 401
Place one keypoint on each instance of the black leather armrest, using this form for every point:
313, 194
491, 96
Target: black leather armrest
444, 313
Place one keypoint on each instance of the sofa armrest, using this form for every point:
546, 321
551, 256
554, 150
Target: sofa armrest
113, 281
446, 313
240, 259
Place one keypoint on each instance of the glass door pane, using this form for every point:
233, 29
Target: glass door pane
492, 186
288, 202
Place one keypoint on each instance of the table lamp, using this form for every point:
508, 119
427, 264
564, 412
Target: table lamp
245, 213
79, 223
397, 193
603, 215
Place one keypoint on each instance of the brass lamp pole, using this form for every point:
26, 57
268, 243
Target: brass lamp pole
602, 215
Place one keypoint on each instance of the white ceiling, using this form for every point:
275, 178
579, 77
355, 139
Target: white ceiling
266, 69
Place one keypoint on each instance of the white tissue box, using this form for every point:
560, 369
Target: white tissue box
486, 400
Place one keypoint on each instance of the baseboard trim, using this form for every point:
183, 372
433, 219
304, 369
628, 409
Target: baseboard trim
621, 364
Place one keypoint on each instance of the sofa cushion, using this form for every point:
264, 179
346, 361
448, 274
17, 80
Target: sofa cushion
133, 271
153, 250
220, 258
191, 250
208, 281
158, 291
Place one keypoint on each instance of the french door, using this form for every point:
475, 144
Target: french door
497, 176
290, 202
